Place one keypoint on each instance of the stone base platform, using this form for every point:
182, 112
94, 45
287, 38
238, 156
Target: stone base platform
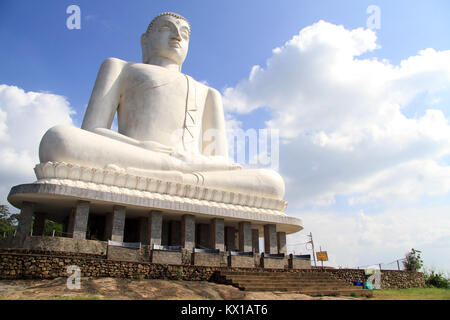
58, 197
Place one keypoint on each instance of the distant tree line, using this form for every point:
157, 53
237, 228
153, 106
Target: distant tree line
9, 222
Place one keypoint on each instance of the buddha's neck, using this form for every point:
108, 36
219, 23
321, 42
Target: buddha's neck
165, 63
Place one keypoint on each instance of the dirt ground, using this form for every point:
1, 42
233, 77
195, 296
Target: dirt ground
126, 289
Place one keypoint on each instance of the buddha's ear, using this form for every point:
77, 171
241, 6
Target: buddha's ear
144, 47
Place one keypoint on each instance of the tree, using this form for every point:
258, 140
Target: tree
50, 226
413, 261
8, 221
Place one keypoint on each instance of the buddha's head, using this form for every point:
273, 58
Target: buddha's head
167, 36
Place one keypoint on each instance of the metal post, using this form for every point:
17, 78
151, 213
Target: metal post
312, 244
380, 266
398, 265
53, 234
320, 248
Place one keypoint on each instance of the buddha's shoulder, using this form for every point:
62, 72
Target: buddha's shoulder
203, 86
115, 61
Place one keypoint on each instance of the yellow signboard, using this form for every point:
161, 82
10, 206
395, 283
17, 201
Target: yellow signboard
322, 256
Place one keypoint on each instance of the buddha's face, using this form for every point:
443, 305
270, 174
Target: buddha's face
168, 38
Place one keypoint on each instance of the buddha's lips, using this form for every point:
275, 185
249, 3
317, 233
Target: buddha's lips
175, 43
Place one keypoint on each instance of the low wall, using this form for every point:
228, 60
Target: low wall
299, 264
241, 261
55, 244
124, 254
207, 259
390, 279
166, 257
274, 263
28, 264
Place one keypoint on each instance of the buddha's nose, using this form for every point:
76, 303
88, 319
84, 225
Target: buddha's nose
176, 35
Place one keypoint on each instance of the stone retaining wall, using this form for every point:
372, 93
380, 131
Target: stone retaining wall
390, 279
29, 264
56, 244
241, 261
166, 257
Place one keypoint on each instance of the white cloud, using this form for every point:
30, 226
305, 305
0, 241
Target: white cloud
359, 239
342, 116
348, 144
24, 118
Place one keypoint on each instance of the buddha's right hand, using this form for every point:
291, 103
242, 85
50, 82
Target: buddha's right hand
155, 146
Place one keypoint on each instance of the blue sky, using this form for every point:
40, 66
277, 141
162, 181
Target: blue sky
229, 37
339, 178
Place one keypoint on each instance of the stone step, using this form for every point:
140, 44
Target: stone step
339, 292
315, 291
299, 283
286, 275
271, 274
293, 286
257, 278
278, 279
314, 284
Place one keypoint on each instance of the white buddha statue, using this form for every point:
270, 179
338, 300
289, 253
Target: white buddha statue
170, 126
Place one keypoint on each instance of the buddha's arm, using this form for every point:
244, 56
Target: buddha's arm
105, 96
213, 126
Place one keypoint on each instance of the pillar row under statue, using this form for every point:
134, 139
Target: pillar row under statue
25, 219
154, 228
39, 224
188, 231
80, 220
217, 234
270, 239
118, 223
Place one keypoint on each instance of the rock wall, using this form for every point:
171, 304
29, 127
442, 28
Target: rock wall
55, 244
390, 279
27, 264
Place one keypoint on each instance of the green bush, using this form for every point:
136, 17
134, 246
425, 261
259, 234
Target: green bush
413, 261
8, 221
437, 280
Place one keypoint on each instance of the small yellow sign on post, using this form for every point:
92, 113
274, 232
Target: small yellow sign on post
322, 256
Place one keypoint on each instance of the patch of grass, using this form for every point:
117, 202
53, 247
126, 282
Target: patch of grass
412, 294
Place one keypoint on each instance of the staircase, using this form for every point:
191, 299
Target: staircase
309, 283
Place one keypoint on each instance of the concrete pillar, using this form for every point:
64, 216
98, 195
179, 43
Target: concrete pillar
245, 236
80, 220
39, 224
65, 226
230, 243
255, 240
175, 233
203, 237
281, 242
70, 221
118, 223
270, 239
188, 231
165, 230
25, 219
217, 235
143, 230
154, 228
108, 226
